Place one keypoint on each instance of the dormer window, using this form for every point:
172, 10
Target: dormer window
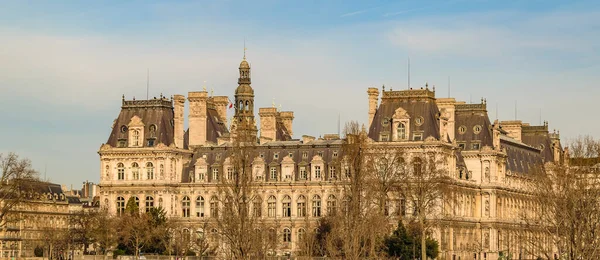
462, 129
276, 156
418, 137
419, 121
123, 129
136, 138
401, 131
475, 146
150, 142
152, 130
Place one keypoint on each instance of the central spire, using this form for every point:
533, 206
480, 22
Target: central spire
243, 124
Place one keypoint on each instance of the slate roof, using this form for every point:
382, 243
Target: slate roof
469, 116
157, 112
417, 103
521, 158
538, 137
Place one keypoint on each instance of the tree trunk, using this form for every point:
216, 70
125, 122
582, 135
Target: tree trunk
423, 245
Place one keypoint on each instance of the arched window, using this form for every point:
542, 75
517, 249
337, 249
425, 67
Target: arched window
241, 105
331, 205
271, 206
301, 234
287, 206
247, 106
120, 205
287, 235
257, 206
401, 131
346, 205
149, 203
214, 206
272, 236
135, 171
136, 137
200, 207
185, 206
120, 171
150, 171
301, 203
316, 206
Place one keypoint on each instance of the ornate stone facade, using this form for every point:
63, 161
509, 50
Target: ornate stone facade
302, 180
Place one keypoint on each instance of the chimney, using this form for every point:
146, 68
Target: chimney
447, 108
496, 135
373, 96
197, 118
178, 120
513, 128
268, 121
221, 103
287, 118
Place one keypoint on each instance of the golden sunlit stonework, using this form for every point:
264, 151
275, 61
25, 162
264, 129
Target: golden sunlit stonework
150, 157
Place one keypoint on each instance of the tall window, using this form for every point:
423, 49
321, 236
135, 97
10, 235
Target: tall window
214, 207
287, 206
273, 176
200, 207
215, 174
136, 137
135, 171
120, 205
149, 203
347, 172
332, 173
301, 234
185, 206
287, 235
331, 205
271, 206
418, 166
230, 173
316, 206
317, 172
120, 171
137, 201
257, 207
150, 171
301, 203
401, 131
401, 210
302, 175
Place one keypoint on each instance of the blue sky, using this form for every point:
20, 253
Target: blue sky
65, 64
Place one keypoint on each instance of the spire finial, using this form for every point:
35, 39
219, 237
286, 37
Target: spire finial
245, 48
273, 103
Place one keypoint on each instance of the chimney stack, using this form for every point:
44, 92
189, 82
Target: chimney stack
197, 118
373, 97
178, 120
287, 118
268, 121
221, 103
513, 128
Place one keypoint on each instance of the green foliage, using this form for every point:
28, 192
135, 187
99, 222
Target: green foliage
405, 245
132, 207
118, 252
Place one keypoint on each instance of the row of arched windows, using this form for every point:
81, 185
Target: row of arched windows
136, 171
149, 203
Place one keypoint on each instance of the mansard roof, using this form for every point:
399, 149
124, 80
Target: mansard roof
158, 112
538, 136
472, 116
282, 132
521, 158
416, 103
215, 128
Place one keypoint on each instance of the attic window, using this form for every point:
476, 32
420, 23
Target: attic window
418, 137
335, 154
218, 156
290, 154
475, 146
150, 142
304, 154
123, 128
419, 121
384, 138
462, 129
262, 155
385, 122
276, 156
122, 143
477, 129
461, 146
542, 147
320, 154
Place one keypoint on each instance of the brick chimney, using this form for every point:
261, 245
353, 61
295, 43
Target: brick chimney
178, 120
221, 103
197, 118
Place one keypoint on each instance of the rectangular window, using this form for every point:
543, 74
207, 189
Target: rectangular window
475, 146
304, 155
257, 211
461, 146
218, 156
418, 137
287, 209
302, 209
122, 143
291, 154
320, 154
332, 173
276, 156
121, 173
347, 172
230, 173
273, 176
302, 173
384, 138
317, 172
215, 175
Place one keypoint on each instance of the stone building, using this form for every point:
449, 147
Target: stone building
151, 157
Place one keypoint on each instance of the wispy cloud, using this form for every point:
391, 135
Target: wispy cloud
357, 12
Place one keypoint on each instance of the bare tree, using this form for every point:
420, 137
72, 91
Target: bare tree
134, 228
105, 233
240, 227
565, 213
17, 177
425, 184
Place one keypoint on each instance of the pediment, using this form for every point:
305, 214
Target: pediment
200, 162
400, 113
287, 160
135, 121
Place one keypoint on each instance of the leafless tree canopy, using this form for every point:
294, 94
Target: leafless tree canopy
17, 178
